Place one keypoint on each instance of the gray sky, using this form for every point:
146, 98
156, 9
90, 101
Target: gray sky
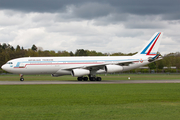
101, 25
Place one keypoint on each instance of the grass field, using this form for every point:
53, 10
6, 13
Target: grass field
11, 77
90, 102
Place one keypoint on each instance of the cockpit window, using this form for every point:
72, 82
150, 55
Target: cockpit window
9, 63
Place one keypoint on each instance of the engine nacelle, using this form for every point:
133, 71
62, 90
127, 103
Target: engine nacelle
113, 68
79, 72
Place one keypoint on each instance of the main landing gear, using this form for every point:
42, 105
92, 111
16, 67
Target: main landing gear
21, 77
90, 78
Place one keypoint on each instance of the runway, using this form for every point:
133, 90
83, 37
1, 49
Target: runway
87, 82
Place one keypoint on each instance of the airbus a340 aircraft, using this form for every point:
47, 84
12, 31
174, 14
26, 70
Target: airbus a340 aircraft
82, 66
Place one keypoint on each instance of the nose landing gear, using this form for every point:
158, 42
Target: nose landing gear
21, 77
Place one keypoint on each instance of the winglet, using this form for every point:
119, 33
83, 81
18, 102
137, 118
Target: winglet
152, 46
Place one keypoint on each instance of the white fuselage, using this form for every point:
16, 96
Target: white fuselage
64, 65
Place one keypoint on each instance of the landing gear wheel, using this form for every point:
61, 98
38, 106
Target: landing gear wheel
85, 78
80, 78
21, 79
98, 79
92, 79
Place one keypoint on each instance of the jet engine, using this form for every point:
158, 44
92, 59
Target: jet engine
113, 68
79, 72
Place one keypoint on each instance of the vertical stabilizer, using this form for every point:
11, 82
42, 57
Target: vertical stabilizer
151, 48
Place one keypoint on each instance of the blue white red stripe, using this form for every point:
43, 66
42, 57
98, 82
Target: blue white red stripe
151, 45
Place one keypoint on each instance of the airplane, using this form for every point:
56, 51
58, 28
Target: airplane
81, 67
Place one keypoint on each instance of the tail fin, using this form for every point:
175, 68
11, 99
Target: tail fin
151, 48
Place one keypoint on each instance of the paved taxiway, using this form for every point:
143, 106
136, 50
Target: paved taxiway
87, 82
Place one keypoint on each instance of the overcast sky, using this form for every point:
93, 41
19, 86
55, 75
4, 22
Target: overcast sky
101, 25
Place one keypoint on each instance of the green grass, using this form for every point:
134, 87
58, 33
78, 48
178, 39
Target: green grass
90, 102
11, 77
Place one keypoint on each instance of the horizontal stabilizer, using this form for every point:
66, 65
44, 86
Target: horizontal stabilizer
158, 55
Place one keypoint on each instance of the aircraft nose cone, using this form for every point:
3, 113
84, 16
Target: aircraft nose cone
6, 67
2, 67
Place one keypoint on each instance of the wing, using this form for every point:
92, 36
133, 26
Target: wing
100, 66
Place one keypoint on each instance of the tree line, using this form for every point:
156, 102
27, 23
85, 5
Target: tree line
8, 52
